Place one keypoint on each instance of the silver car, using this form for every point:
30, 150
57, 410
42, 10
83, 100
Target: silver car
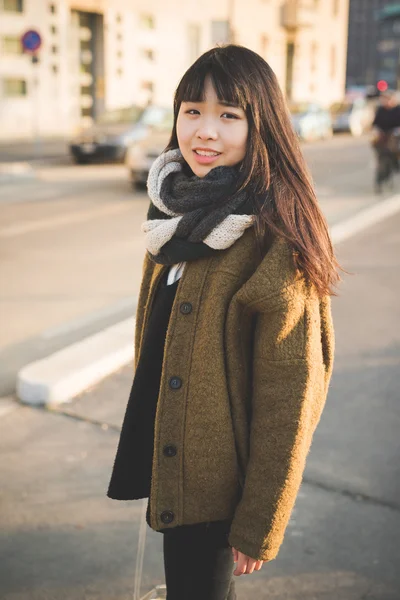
311, 121
109, 137
355, 116
142, 153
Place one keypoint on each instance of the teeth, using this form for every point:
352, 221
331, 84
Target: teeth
205, 153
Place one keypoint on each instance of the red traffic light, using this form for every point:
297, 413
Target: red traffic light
382, 85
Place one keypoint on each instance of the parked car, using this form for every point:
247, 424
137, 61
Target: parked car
311, 121
355, 116
142, 153
111, 134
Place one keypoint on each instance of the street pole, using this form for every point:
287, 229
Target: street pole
31, 41
35, 106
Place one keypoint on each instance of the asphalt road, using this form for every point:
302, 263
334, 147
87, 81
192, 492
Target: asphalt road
71, 247
61, 538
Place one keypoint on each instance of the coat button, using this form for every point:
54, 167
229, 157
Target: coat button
175, 383
170, 450
167, 516
186, 308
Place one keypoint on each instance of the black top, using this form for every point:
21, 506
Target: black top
387, 119
131, 475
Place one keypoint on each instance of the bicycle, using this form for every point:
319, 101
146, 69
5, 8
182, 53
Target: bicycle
387, 149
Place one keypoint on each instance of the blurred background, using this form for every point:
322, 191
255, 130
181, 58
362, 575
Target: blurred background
86, 91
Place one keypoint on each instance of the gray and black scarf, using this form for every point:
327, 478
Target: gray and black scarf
192, 217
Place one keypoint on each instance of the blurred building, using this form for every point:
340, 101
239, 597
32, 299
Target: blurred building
389, 47
99, 54
366, 41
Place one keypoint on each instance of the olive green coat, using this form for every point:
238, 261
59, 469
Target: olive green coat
255, 358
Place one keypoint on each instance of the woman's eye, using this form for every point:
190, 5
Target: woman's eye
230, 116
192, 111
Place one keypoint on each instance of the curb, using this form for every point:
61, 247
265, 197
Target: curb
66, 373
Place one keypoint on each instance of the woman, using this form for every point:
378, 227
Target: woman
234, 338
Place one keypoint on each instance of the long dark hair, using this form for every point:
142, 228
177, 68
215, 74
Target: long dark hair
273, 170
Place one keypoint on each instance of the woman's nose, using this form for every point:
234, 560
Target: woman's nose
206, 131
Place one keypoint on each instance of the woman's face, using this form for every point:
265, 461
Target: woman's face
211, 134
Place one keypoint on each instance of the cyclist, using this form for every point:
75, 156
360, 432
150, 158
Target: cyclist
385, 143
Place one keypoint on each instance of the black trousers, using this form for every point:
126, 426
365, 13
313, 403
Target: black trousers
198, 562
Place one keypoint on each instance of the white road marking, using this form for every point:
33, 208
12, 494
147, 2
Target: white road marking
365, 218
66, 219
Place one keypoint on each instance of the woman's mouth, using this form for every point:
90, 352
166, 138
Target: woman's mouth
205, 157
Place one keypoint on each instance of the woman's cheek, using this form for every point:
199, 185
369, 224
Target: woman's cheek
182, 139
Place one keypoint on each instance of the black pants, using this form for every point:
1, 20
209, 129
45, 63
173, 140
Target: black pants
198, 562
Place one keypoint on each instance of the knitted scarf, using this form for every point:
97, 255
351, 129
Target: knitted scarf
192, 217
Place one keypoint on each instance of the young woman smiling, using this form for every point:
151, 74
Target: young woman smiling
234, 337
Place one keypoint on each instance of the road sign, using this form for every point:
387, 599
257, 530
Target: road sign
31, 41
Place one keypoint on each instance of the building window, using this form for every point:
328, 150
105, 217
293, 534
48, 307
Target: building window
148, 53
11, 44
333, 61
118, 18
120, 72
54, 68
194, 41
54, 49
13, 6
264, 42
52, 9
147, 21
290, 49
13, 87
147, 85
335, 7
119, 37
220, 32
119, 54
313, 62
53, 29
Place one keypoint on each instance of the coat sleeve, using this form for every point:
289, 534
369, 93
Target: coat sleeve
292, 366
147, 271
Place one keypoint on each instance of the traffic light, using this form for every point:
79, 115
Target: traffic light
382, 85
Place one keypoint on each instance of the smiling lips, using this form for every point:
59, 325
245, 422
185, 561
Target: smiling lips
205, 156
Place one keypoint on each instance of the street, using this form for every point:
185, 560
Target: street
72, 248
71, 253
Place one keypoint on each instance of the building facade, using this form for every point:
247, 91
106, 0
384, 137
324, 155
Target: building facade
389, 47
103, 54
366, 41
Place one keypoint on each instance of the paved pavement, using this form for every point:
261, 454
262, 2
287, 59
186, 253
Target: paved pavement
60, 538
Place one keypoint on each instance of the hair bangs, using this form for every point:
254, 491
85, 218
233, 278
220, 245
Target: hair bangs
192, 85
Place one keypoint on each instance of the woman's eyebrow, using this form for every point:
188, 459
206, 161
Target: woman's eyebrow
228, 104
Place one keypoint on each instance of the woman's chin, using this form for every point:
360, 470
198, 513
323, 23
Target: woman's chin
201, 170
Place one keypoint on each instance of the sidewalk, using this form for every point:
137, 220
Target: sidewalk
18, 158
61, 538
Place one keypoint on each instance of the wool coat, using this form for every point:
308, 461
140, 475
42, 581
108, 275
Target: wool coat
247, 363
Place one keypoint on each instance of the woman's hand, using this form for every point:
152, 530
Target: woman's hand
245, 564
